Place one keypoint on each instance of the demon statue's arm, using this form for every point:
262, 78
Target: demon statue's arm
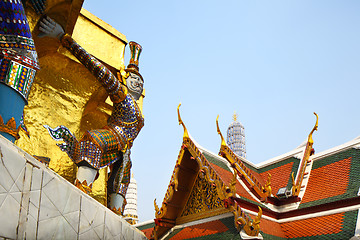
113, 86
38, 5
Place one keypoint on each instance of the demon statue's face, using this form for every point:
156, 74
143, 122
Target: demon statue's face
134, 84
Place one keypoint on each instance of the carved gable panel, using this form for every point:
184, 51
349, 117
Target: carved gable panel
203, 198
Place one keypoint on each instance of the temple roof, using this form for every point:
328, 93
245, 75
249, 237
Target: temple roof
323, 194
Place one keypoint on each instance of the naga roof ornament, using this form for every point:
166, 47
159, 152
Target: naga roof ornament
260, 190
309, 150
223, 143
186, 134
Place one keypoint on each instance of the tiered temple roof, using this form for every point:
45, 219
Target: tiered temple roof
298, 195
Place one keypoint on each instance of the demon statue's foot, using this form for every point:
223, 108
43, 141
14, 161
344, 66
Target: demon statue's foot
117, 203
84, 178
83, 186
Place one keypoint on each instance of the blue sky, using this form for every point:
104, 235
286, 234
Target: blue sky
273, 62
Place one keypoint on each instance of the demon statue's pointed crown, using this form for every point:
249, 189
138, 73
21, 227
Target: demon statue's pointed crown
135, 50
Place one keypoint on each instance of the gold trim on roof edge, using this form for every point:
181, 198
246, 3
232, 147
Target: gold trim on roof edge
261, 191
308, 152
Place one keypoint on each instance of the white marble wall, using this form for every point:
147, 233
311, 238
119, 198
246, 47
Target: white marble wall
36, 203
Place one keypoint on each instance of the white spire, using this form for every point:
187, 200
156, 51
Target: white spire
236, 137
130, 211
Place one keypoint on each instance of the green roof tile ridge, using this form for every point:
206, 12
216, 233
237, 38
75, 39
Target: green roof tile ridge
214, 160
146, 226
251, 167
335, 158
254, 202
294, 170
281, 163
228, 222
354, 178
271, 237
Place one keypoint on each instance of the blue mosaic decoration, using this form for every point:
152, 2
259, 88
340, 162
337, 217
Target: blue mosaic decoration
89, 152
38, 5
126, 121
13, 41
17, 49
17, 76
23, 127
62, 133
122, 179
98, 147
18, 61
123, 189
13, 19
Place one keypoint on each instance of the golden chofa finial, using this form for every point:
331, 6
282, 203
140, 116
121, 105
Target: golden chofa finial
186, 135
310, 140
157, 209
223, 143
235, 116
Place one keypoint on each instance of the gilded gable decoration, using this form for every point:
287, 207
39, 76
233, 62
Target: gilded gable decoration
204, 197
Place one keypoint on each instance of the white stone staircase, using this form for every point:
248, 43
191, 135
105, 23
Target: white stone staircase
36, 203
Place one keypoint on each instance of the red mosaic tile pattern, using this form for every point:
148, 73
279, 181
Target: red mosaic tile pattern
314, 226
270, 227
225, 175
279, 176
321, 182
147, 232
258, 177
243, 193
201, 230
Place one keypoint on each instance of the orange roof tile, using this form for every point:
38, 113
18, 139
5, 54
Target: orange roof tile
147, 232
279, 176
225, 175
270, 227
258, 176
243, 193
321, 182
200, 230
314, 226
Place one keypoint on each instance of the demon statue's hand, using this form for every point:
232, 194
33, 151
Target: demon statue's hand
38, 5
50, 28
